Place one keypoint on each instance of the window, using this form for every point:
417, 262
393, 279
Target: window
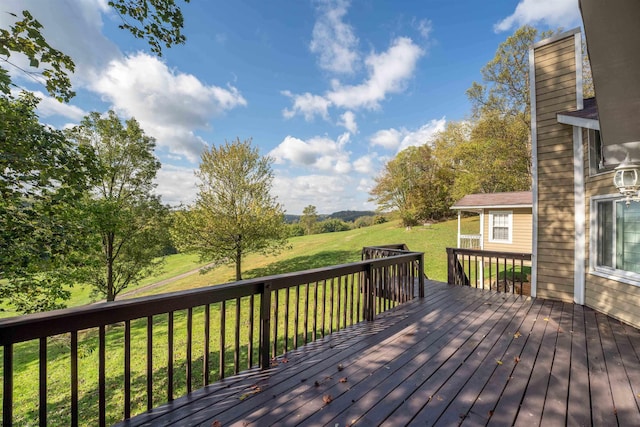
616, 237
596, 155
500, 226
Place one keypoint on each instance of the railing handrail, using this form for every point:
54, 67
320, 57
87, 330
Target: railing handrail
515, 255
33, 326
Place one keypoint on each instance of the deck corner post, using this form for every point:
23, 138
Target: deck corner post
265, 326
421, 276
450, 266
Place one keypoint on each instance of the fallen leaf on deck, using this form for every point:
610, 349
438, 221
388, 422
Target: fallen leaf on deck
216, 423
343, 380
499, 362
327, 399
546, 319
517, 335
516, 359
285, 360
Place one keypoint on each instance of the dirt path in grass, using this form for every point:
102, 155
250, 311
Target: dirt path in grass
162, 282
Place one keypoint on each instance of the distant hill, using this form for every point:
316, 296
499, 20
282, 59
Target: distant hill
350, 216
346, 216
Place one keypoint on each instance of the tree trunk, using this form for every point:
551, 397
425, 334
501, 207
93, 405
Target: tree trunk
238, 264
109, 282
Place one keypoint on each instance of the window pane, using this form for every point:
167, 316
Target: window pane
501, 233
605, 234
628, 236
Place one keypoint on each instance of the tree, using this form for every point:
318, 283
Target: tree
414, 184
43, 182
486, 155
506, 77
308, 219
159, 22
234, 213
332, 225
129, 220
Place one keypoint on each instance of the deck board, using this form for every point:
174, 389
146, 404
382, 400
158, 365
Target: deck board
459, 356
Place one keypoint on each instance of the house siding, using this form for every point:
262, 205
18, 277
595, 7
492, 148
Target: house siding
616, 299
555, 91
522, 226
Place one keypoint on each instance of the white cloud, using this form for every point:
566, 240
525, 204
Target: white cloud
399, 139
364, 164
424, 27
308, 105
177, 185
333, 40
329, 193
318, 153
554, 13
348, 121
388, 72
387, 138
168, 104
49, 106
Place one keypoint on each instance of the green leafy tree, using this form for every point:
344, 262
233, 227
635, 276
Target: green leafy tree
332, 225
309, 219
234, 213
505, 86
485, 156
25, 37
414, 184
158, 22
129, 221
43, 182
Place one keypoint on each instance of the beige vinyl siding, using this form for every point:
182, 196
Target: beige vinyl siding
521, 234
555, 89
616, 299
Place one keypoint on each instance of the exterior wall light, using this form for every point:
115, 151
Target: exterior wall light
627, 181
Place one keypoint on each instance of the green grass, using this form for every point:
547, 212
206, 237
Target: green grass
321, 250
306, 252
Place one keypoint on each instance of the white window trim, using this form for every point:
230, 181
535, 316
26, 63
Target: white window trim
509, 224
615, 274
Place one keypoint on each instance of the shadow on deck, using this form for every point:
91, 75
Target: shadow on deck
458, 356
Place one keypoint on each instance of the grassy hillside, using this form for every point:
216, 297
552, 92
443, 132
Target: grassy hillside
321, 250
306, 252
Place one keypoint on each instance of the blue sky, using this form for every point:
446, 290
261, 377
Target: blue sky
331, 90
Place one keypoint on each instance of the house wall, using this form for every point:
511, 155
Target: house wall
522, 223
614, 298
555, 86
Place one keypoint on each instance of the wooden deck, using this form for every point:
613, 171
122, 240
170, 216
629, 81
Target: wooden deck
459, 356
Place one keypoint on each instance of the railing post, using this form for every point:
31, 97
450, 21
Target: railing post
265, 325
451, 266
421, 276
368, 302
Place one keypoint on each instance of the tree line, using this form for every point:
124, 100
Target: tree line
488, 152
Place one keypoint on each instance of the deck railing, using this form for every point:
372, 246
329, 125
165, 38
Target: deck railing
500, 271
125, 357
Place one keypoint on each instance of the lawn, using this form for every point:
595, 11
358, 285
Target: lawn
320, 250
